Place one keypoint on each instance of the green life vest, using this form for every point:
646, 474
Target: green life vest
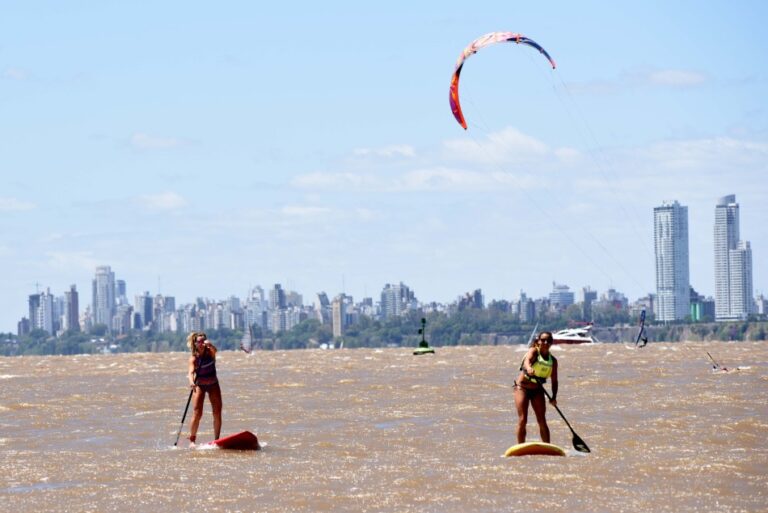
542, 369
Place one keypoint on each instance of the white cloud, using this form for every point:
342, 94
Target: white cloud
398, 150
676, 78
15, 205
304, 211
142, 141
163, 201
340, 180
68, 260
509, 145
460, 180
15, 74
723, 153
430, 179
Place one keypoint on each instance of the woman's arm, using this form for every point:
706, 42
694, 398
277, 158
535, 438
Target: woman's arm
528, 361
191, 373
553, 378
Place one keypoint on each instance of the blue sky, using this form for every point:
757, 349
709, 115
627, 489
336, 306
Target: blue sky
201, 149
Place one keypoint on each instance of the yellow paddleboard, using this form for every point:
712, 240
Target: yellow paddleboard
534, 448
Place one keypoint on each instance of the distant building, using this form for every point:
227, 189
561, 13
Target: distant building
144, 312
323, 308
670, 237
34, 306
71, 317
395, 300
121, 292
23, 327
339, 315
472, 301
561, 296
44, 317
103, 304
733, 264
277, 297
741, 280
761, 303
525, 308
588, 296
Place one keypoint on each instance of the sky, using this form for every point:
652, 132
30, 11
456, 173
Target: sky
202, 149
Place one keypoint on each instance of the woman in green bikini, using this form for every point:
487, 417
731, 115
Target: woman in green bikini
538, 366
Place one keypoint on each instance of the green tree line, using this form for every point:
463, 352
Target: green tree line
465, 327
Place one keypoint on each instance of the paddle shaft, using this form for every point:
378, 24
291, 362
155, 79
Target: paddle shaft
578, 443
713, 360
186, 409
183, 417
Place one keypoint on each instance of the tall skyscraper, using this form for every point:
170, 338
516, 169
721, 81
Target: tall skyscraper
741, 280
277, 297
561, 296
71, 315
44, 318
103, 295
142, 305
670, 241
733, 264
395, 299
339, 309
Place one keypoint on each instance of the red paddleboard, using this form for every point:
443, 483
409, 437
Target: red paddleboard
245, 441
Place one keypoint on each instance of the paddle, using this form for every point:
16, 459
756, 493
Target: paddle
189, 399
186, 408
578, 443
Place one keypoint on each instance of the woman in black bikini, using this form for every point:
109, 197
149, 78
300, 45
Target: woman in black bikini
537, 366
202, 379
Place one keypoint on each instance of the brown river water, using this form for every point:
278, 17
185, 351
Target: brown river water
381, 430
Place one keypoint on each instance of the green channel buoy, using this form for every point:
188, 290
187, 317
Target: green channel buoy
423, 345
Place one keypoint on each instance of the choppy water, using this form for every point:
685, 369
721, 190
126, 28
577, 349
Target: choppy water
385, 431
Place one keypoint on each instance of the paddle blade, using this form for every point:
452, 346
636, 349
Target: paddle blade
579, 444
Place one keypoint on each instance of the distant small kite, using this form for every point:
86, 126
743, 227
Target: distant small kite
474, 46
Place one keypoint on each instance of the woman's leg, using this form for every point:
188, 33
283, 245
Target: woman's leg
521, 403
216, 404
197, 413
539, 405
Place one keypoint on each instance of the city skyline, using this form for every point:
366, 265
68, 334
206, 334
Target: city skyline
199, 150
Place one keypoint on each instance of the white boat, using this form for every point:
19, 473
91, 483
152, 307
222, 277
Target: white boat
582, 335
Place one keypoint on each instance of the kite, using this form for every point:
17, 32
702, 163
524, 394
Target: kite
474, 46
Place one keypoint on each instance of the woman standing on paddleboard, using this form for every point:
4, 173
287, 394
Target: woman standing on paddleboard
538, 365
202, 379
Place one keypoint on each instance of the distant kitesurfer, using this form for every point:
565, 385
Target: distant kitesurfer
538, 365
202, 379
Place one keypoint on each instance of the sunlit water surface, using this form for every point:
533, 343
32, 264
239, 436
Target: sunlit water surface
386, 431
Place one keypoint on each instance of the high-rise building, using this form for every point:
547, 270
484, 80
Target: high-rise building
277, 297
103, 295
670, 241
395, 299
34, 306
561, 296
121, 296
71, 315
733, 264
742, 303
44, 318
339, 309
142, 306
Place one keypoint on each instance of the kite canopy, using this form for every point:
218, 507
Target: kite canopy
474, 46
